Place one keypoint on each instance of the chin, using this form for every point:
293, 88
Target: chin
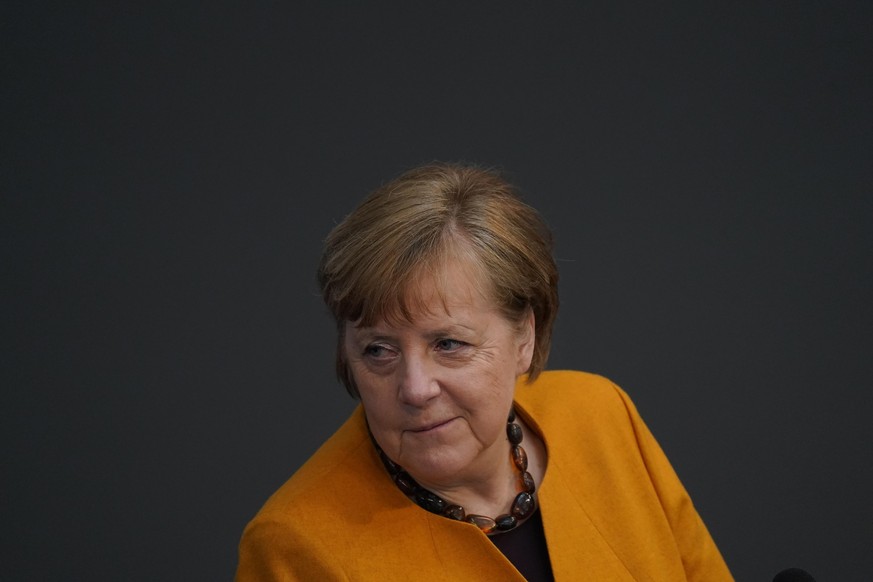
436, 466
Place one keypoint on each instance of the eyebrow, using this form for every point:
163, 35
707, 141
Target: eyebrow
374, 334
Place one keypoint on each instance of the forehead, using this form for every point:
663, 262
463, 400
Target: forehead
454, 284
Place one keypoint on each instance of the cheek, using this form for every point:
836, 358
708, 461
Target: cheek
493, 389
383, 427
379, 407
371, 397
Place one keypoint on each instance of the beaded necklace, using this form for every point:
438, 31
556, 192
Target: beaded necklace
523, 505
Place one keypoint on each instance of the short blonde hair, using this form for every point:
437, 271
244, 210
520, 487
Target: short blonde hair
416, 222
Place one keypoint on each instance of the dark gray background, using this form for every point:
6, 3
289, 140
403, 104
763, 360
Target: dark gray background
170, 169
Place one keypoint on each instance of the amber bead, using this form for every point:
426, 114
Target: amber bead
513, 431
405, 482
523, 505
505, 522
455, 512
527, 482
430, 501
519, 457
486, 524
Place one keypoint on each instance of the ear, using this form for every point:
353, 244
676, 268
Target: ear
526, 341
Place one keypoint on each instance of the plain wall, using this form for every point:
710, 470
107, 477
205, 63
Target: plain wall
169, 171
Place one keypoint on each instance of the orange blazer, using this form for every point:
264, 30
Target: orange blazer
612, 506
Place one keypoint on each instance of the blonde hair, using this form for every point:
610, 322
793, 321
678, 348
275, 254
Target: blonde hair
418, 221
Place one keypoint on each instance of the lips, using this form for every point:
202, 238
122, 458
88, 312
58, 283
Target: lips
432, 426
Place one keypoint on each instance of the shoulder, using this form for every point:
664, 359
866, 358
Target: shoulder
582, 411
287, 538
559, 394
345, 463
317, 522
295, 515
570, 381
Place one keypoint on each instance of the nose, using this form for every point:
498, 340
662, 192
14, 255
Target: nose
417, 383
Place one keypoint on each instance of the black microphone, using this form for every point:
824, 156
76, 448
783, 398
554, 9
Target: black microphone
793, 575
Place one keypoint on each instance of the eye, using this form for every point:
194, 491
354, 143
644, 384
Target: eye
376, 351
448, 345
380, 352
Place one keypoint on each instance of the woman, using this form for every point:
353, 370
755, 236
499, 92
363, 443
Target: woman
465, 461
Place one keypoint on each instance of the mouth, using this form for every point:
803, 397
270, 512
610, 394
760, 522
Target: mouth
431, 427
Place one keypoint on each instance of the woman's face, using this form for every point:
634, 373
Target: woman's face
437, 390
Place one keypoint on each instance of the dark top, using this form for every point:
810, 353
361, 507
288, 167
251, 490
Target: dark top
525, 547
